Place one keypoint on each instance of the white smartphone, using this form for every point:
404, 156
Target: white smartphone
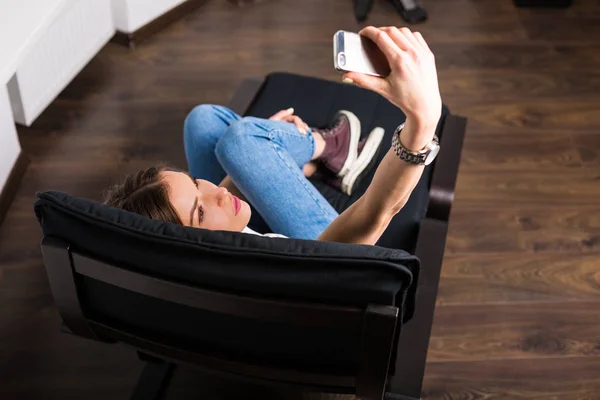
356, 53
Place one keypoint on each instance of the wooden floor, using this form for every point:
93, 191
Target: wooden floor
518, 313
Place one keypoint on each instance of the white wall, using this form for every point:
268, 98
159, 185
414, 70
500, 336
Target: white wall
9, 141
131, 15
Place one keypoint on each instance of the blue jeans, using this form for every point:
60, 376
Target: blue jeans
264, 159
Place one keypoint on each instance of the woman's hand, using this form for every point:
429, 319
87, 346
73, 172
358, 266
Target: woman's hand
412, 84
288, 116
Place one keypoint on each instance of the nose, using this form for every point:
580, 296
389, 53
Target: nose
212, 193
221, 195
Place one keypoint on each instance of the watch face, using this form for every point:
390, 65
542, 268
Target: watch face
432, 154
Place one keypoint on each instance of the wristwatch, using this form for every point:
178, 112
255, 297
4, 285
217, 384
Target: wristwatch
421, 157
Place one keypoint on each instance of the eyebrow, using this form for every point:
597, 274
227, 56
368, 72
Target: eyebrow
192, 212
195, 201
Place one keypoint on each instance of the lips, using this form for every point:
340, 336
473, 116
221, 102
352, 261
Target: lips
237, 204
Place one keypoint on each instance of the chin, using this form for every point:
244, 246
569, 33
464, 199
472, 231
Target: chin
245, 209
245, 212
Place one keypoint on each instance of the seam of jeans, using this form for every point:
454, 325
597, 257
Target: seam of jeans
270, 130
312, 142
271, 133
302, 182
225, 114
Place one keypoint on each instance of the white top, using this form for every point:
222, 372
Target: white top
274, 235
22, 22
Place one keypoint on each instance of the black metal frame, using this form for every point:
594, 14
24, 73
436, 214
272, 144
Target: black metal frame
64, 267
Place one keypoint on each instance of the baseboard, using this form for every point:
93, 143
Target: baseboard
135, 38
12, 183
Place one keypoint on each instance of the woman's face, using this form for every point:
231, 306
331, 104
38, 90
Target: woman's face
201, 204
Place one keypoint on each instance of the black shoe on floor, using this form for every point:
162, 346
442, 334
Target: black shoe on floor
410, 10
362, 8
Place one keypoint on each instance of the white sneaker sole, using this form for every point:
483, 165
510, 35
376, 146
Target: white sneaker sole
362, 162
354, 139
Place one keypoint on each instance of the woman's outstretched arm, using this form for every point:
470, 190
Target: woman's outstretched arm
412, 86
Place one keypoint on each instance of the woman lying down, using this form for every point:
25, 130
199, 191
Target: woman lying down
265, 162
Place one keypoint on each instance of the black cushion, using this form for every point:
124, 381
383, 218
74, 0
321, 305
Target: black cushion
317, 101
232, 262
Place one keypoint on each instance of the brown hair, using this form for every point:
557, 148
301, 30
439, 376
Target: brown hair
144, 193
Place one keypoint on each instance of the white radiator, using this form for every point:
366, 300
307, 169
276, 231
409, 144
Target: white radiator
66, 46
9, 142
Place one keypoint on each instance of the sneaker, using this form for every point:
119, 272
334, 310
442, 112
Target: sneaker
365, 161
341, 143
368, 150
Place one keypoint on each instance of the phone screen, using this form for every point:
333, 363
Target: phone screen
360, 54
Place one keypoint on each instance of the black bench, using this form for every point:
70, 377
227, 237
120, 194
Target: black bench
321, 316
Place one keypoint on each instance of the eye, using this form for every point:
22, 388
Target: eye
200, 214
196, 183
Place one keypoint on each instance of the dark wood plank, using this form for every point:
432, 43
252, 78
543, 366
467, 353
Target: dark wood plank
575, 24
510, 331
530, 56
534, 186
524, 228
568, 378
518, 153
537, 117
516, 277
587, 146
11, 185
474, 85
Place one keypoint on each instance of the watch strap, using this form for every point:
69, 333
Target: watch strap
404, 154
412, 157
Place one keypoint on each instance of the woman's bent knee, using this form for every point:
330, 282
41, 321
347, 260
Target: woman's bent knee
199, 120
231, 141
238, 140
